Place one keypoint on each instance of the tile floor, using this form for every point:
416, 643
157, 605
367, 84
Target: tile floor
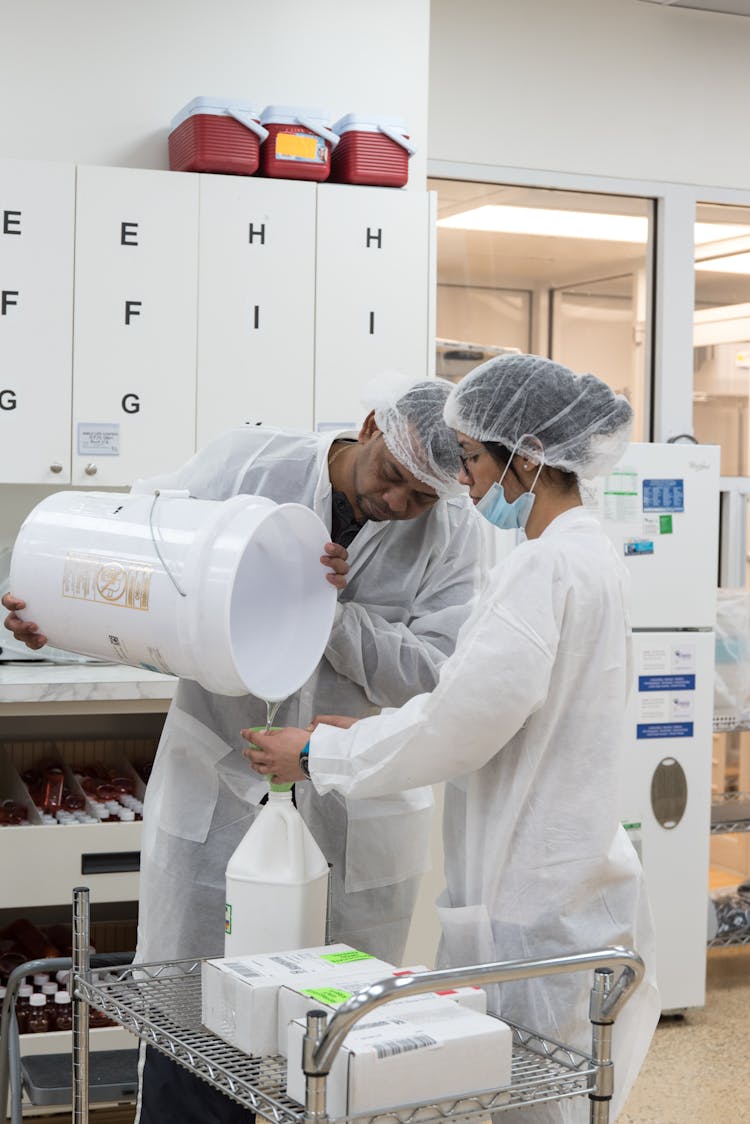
698, 1067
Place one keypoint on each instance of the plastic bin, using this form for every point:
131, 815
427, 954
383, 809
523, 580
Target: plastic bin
216, 135
299, 143
372, 150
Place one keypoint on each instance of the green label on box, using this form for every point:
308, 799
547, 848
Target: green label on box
346, 957
227, 918
665, 524
330, 995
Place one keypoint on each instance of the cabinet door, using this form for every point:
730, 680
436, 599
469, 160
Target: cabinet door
372, 293
36, 308
134, 353
256, 307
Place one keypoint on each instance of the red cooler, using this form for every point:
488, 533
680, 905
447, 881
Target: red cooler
372, 150
299, 143
216, 135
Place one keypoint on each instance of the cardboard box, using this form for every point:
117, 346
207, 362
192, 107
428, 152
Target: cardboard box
425, 1052
295, 1000
239, 995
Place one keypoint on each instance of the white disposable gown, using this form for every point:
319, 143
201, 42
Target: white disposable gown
408, 593
526, 726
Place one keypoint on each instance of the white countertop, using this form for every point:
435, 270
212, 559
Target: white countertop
36, 682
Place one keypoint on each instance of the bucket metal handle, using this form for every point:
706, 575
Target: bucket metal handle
167, 571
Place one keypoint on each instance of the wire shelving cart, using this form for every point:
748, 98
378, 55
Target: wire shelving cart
161, 1004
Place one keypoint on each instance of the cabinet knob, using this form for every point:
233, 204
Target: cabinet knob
90, 470
56, 467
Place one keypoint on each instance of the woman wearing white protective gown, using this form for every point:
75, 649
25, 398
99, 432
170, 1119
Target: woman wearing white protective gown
526, 721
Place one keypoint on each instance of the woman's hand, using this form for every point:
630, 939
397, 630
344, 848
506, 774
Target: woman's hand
335, 558
276, 754
25, 631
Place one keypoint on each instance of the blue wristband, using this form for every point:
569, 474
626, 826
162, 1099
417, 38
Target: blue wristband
304, 758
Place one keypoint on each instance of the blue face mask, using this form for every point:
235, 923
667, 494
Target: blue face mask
507, 516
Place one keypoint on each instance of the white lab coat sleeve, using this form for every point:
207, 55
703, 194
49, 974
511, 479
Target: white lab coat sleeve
497, 678
215, 472
391, 661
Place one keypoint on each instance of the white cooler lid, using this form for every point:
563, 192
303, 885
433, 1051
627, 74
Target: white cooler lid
217, 107
291, 114
393, 127
370, 123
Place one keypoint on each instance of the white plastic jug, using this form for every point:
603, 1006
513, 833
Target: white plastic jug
231, 594
277, 883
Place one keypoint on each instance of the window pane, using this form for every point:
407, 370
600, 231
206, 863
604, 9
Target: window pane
721, 336
558, 273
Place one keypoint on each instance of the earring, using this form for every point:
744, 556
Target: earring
526, 464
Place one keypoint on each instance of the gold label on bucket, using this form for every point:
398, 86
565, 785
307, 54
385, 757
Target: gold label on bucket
125, 584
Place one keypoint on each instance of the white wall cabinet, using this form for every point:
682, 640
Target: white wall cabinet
136, 278
256, 306
36, 325
195, 304
372, 293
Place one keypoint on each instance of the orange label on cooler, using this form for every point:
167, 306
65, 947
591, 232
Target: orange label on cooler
125, 584
301, 146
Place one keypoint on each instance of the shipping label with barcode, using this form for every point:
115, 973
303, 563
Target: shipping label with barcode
388, 1037
285, 962
243, 970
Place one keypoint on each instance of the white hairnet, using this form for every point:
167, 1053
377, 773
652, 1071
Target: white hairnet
409, 413
582, 424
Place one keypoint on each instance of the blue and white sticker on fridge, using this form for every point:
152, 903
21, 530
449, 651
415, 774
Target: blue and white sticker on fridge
666, 690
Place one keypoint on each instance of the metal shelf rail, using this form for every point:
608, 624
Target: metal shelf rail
730, 813
160, 1003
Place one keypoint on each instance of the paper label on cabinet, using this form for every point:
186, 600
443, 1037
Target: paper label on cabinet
653, 708
683, 658
620, 499
664, 495
648, 731
98, 439
666, 682
654, 660
682, 708
634, 548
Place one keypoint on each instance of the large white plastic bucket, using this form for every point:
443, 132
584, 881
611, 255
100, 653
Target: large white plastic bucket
231, 594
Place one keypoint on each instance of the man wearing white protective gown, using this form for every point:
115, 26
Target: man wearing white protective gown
408, 591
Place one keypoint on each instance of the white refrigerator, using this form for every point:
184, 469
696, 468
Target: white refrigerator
660, 507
